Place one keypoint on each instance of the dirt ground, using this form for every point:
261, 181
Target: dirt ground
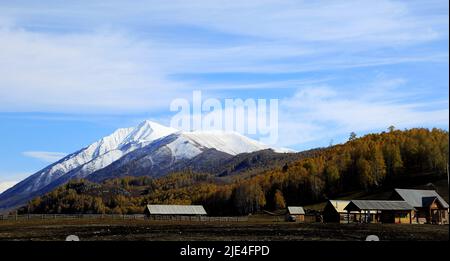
106, 230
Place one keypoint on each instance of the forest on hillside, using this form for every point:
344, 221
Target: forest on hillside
361, 164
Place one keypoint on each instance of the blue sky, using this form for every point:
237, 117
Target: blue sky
73, 72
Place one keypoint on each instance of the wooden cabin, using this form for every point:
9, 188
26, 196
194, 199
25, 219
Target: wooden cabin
429, 206
380, 211
295, 213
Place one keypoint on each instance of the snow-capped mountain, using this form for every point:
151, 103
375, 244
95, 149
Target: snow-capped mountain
149, 148
87, 160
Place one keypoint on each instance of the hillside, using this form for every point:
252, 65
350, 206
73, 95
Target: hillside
367, 166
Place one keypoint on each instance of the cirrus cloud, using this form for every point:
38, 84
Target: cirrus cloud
45, 156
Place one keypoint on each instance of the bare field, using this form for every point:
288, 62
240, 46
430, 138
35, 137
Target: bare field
107, 230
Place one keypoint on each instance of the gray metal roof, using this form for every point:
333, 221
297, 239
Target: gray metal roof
176, 210
420, 198
296, 210
379, 205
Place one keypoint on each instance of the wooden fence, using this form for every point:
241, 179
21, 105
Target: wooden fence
123, 217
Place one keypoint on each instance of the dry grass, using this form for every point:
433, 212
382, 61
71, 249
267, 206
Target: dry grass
256, 229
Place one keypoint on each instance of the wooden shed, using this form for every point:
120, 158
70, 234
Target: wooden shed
297, 212
429, 206
334, 212
381, 211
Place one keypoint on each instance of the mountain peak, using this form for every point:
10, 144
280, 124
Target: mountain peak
149, 131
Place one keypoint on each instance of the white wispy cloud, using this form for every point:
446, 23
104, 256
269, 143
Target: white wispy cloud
46, 156
69, 72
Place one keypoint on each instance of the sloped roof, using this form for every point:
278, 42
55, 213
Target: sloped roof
379, 205
296, 210
176, 210
420, 198
339, 205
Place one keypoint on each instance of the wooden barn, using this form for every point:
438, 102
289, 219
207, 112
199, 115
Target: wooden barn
429, 206
334, 212
380, 211
295, 214
174, 210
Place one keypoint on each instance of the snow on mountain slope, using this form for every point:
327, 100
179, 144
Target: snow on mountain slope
77, 159
165, 154
229, 142
144, 134
186, 145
